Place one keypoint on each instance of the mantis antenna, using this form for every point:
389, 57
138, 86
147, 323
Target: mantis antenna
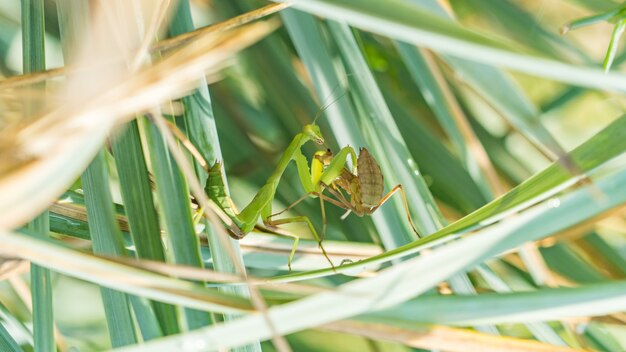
323, 108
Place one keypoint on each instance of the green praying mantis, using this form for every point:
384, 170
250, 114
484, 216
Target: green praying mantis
327, 172
261, 204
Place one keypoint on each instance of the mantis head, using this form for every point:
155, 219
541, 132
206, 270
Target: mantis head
313, 132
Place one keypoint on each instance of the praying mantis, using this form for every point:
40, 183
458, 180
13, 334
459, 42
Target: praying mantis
261, 204
327, 172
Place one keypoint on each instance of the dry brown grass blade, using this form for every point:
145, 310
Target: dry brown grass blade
444, 338
166, 44
54, 148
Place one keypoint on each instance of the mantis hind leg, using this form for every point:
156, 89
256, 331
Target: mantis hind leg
406, 205
307, 221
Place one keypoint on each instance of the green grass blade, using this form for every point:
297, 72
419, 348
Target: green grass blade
107, 240
604, 146
33, 56
173, 197
41, 288
341, 116
33, 33
611, 141
364, 295
400, 20
541, 331
519, 307
563, 260
139, 207
7, 343
430, 87
202, 131
610, 253
121, 277
451, 183
398, 164
612, 50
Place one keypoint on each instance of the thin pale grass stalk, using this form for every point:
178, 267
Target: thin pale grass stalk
198, 192
13, 267
155, 24
120, 277
169, 43
253, 242
165, 44
202, 274
441, 338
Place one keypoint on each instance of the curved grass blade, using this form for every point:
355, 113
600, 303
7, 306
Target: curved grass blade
405, 22
544, 304
120, 277
604, 146
395, 284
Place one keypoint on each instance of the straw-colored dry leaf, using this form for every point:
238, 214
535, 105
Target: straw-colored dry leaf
43, 154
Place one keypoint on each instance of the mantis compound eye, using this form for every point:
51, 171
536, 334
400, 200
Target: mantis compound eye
313, 132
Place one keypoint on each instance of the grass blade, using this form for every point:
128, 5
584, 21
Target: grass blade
342, 117
400, 20
364, 295
610, 141
545, 304
33, 56
7, 343
139, 207
202, 131
120, 277
107, 240
172, 194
